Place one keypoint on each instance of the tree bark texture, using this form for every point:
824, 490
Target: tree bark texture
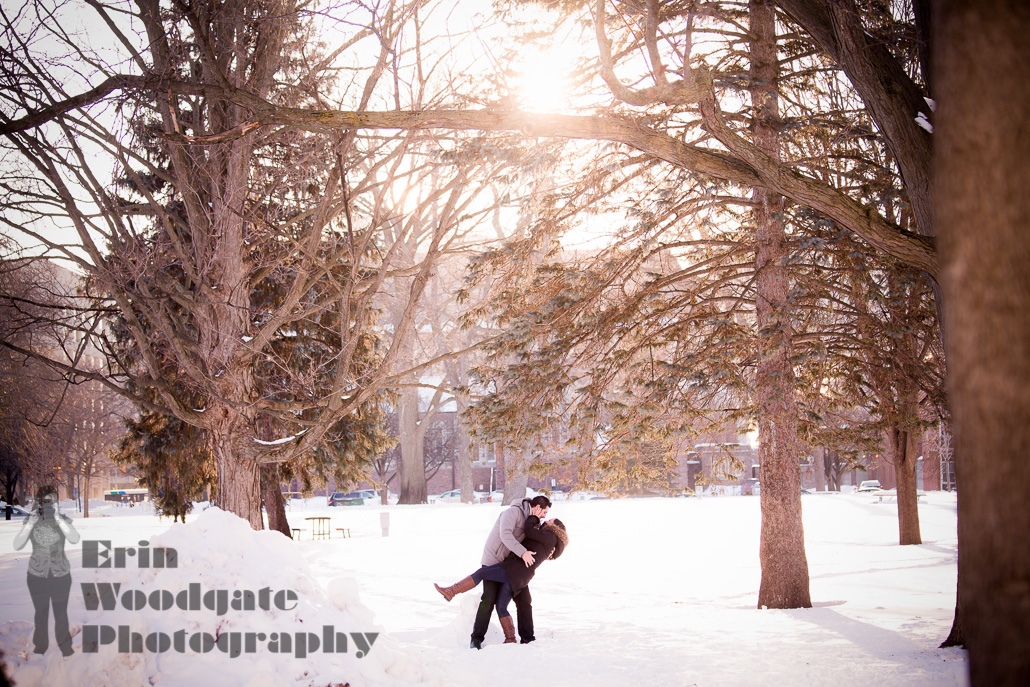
904, 427
85, 494
784, 563
239, 475
902, 445
831, 460
820, 469
413, 487
982, 59
273, 499
463, 466
957, 635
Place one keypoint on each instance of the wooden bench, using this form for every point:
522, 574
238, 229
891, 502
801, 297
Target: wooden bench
297, 531
344, 531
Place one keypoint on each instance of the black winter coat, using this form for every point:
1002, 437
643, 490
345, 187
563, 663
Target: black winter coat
538, 540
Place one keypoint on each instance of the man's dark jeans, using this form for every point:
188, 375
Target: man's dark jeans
523, 610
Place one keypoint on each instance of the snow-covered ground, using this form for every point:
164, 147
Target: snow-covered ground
649, 591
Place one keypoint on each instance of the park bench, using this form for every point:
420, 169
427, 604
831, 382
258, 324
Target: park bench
892, 495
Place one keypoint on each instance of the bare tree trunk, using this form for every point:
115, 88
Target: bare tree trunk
833, 469
516, 478
820, 469
456, 371
413, 487
412, 469
85, 495
784, 563
275, 507
463, 464
901, 448
981, 61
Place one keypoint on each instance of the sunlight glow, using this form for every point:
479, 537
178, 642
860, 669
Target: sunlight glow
542, 81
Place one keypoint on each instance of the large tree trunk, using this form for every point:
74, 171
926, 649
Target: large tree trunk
901, 448
412, 470
239, 476
784, 563
820, 469
456, 371
275, 507
413, 485
463, 465
898, 395
516, 477
982, 59
957, 635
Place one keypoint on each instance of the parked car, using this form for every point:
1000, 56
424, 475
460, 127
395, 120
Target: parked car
353, 498
869, 485
452, 496
16, 512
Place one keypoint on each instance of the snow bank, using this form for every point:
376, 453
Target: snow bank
241, 605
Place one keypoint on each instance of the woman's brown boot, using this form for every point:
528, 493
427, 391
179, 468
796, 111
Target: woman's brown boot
456, 588
508, 625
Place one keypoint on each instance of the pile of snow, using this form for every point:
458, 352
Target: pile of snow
240, 603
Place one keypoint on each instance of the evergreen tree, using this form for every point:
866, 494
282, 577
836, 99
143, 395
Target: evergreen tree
172, 460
